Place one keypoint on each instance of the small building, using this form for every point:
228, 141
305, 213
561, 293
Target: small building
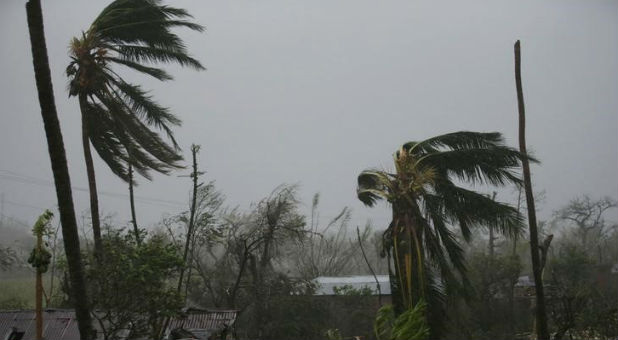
327, 285
61, 324
203, 323
524, 287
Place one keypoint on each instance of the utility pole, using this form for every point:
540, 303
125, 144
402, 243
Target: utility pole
194, 175
541, 316
2, 210
132, 201
491, 234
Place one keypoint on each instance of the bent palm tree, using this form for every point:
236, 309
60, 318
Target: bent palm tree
60, 169
426, 200
117, 116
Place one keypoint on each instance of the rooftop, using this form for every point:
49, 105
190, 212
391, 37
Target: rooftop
326, 284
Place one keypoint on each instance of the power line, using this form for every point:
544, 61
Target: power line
18, 178
12, 220
24, 205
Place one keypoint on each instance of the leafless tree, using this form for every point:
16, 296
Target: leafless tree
587, 216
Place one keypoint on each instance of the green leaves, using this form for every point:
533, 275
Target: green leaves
40, 226
40, 259
122, 118
410, 325
384, 322
374, 185
132, 284
427, 203
460, 140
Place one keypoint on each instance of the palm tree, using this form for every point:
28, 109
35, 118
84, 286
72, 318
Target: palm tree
59, 166
117, 116
426, 199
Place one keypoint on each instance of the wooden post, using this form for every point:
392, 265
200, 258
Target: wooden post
194, 175
132, 202
492, 238
39, 291
541, 317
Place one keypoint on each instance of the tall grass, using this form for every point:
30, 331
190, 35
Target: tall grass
18, 292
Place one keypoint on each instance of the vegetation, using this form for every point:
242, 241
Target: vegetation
425, 199
497, 305
117, 116
449, 242
410, 324
131, 287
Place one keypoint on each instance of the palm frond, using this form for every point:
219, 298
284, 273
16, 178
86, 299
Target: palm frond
151, 71
132, 132
441, 236
141, 104
457, 141
120, 13
496, 166
130, 33
105, 142
373, 186
138, 53
471, 209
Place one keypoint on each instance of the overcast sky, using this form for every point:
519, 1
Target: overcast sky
313, 92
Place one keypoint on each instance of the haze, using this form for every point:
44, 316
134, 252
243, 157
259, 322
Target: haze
313, 92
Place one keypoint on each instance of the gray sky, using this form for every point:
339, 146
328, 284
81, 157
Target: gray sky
313, 92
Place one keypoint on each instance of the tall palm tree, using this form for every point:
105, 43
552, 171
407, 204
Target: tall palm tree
426, 199
117, 116
59, 166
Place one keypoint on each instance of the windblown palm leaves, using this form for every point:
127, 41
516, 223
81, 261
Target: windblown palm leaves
118, 116
427, 201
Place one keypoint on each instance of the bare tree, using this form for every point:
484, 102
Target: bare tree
586, 215
190, 223
326, 250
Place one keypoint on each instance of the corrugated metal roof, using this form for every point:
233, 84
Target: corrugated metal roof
326, 284
57, 324
211, 320
60, 324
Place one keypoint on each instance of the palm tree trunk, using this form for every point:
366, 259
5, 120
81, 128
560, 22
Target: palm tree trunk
132, 201
92, 182
59, 166
541, 317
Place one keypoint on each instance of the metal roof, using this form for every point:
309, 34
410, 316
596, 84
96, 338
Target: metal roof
211, 320
326, 284
524, 281
57, 324
60, 324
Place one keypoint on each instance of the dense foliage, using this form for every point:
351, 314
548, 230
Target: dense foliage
131, 291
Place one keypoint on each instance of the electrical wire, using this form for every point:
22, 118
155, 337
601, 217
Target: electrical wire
18, 178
